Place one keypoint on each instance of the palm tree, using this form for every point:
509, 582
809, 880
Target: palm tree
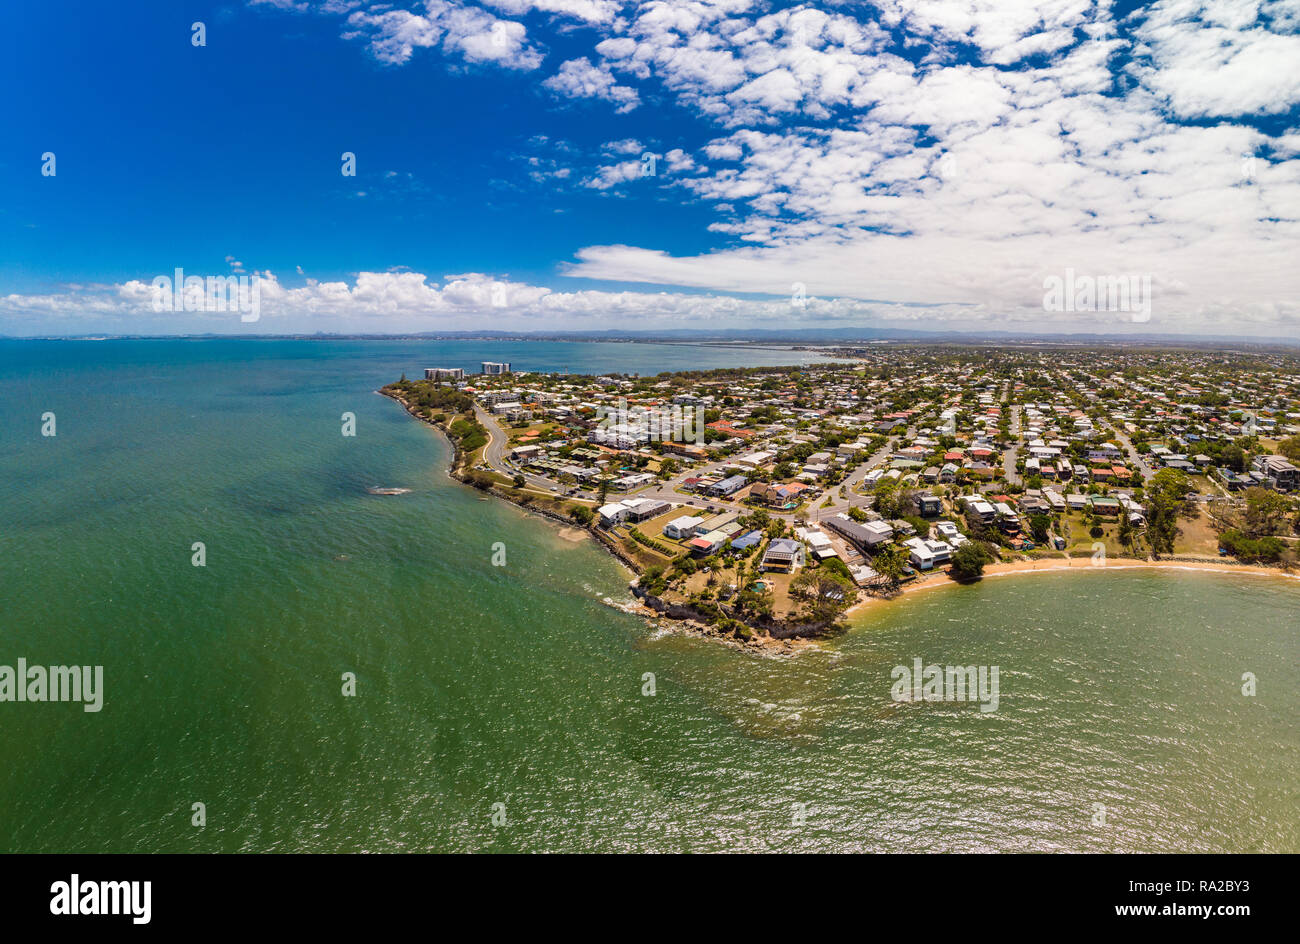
889, 563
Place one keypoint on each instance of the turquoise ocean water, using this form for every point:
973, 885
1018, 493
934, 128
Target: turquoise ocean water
522, 685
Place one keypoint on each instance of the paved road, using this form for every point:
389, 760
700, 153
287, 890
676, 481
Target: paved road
1009, 457
494, 452
838, 505
494, 457
1130, 450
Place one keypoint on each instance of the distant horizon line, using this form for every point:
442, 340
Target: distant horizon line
817, 337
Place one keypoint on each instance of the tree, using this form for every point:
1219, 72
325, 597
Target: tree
1250, 550
1290, 448
519, 481
1266, 511
1125, 529
825, 594
889, 562
888, 499
968, 562
756, 602
1167, 498
1233, 457
653, 581
1038, 525
838, 566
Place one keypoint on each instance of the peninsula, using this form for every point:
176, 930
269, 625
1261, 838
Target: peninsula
762, 504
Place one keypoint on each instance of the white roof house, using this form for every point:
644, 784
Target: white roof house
819, 544
922, 557
754, 459
613, 513
683, 527
708, 543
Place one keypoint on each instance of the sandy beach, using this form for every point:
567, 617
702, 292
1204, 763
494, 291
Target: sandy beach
1054, 565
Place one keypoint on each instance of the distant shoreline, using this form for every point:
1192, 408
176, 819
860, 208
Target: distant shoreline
814, 342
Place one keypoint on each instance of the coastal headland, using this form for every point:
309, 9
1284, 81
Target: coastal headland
765, 506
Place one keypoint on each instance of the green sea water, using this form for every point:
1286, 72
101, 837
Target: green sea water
517, 690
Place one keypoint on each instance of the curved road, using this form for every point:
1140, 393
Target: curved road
494, 458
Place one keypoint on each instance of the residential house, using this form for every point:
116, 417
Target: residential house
728, 486
783, 554
706, 544
1278, 471
683, 527
929, 505
615, 513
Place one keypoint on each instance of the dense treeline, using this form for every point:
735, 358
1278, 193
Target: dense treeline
434, 402
1265, 550
430, 397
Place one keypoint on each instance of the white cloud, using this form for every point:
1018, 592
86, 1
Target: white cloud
467, 32
623, 146
1014, 139
592, 11
409, 301
1219, 60
612, 175
578, 78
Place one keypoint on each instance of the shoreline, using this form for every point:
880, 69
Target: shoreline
1059, 565
571, 531
760, 643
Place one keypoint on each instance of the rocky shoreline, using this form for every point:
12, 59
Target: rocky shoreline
775, 637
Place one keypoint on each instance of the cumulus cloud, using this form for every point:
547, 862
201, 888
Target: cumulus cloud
959, 181
1221, 59
591, 11
757, 296
465, 32
919, 160
578, 78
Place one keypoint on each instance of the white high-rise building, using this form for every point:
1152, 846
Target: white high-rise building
495, 367
444, 373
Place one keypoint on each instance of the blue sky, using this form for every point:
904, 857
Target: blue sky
908, 163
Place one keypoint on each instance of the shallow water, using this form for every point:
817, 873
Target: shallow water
522, 685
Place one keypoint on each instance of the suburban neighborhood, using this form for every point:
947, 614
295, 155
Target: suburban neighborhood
783, 495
